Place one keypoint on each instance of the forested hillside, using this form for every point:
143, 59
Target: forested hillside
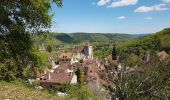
158, 41
102, 37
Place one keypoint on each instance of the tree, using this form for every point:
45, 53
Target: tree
49, 48
114, 57
80, 76
19, 18
152, 83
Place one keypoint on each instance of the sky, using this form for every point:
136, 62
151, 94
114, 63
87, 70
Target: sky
111, 16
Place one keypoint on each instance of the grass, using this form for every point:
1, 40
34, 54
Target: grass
19, 91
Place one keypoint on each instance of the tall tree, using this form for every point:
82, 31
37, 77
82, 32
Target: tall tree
49, 48
80, 76
114, 56
19, 18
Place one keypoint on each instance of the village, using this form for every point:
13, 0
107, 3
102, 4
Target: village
98, 73
64, 68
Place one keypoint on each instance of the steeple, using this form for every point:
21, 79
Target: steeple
114, 56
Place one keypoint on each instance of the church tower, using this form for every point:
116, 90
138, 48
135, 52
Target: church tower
88, 51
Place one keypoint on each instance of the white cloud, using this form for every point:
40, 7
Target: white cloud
122, 3
148, 18
159, 7
103, 2
166, 1
121, 17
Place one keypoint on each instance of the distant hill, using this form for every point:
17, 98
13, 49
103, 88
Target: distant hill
157, 41
93, 37
57, 39
64, 38
141, 35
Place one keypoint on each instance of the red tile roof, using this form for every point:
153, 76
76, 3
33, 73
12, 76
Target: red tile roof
59, 78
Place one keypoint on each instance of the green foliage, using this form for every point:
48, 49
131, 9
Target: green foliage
80, 77
15, 56
157, 41
152, 83
18, 20
75, 92
49, 48
84, 93
114, 52
65, 38
77, 38
131, 60
47, 38
43, 60
165, 42
101, 38
102, 50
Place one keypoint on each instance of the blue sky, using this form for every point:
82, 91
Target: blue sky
111, 16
